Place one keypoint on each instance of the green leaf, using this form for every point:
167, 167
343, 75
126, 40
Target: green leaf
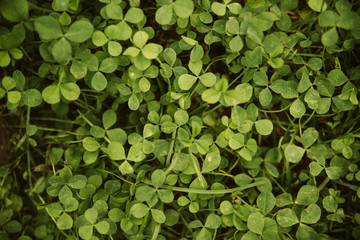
51, 94
181, 117
311, 214
169, 55
133, 102
307, 195
116, 151
195, 67
330, 38
315, 168
236, 44
256, 222
236, 141
125, 31
64, 222
62, 51
13, 96
183, 201
232, 26
151, 50
4, 58
61, 5
265, 202
183, 8
264, 126
196, 53
99, 38
158, 215
165, 195
12, 227
139, 210
263, 21
276, 62
102, 227
186, 81
317, 5
211, 162
294, 153
8, 83
255, 34
86, 232
90, 144
78, 69
349, 20
297, 109
287, 5
32, 98
141, 62
98, 81
144, 193
305, 232
309, 137
91, 215
150, 130
218, 8
213, 221
208, 79
79, 31
77, 181
328, 18
164, 14
114, 48
114, 11
135, 153
226, 207
204, 234
134, 15
140, 38
109, 65
260, 79
70, 91
252, 58
48, 28
14, 10
244, 92
158, 178
71, 204
272, 45
337, 77
286, 217
109, 118
265, 97
126, 168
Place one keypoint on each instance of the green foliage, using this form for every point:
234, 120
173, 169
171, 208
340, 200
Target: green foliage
179, 119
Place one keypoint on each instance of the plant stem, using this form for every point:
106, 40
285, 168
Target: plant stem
168, 157
212, 192
28, 149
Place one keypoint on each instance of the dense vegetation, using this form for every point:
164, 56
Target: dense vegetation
179, 119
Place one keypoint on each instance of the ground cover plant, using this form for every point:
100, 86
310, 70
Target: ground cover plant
179, 119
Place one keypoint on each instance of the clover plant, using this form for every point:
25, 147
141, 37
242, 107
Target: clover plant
179, 119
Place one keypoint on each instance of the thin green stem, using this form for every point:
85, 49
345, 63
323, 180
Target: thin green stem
113, 174
28, 150
212, 110
156, 231
39, 8
275, 111
212, 192
170, 150
87, 120
323, 184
